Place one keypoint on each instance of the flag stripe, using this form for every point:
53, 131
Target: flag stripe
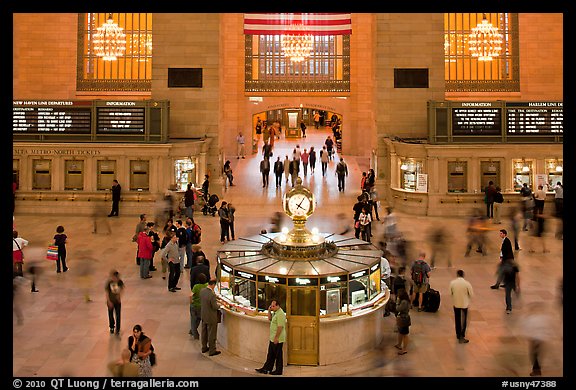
316, 24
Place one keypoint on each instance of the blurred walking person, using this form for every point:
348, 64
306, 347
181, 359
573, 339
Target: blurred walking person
18, 244
114, 288
539, 328
60, 240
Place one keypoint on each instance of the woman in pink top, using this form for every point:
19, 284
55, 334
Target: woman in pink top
304, 157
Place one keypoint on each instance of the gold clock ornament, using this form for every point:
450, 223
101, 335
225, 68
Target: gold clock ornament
299, 202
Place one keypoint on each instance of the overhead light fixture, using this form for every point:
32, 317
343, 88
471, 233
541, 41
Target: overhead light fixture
559, 168
485, 41
404, 166
109, 40
525, 168
297, 45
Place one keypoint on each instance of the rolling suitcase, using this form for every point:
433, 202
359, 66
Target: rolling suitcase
431, 301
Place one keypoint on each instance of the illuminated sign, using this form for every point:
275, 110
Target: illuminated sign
534, 118
477, 118
120, 119
245, 275
56, 117
358, 274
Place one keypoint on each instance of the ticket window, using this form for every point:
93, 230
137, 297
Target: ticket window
16, 173
522, 174
358, 288
106, 174
333, 294
139, 175
457, 176
489, 171
41, 174
74, 175
186, 172
554, 170
409, 170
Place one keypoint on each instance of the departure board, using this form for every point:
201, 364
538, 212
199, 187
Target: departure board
51, 117
120, 117
477, 118
537, 118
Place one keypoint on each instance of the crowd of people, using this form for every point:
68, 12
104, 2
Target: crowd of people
178, 247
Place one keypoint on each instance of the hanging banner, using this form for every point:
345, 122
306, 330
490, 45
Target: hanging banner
298, 23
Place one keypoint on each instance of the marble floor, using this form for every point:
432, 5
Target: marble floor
63, 335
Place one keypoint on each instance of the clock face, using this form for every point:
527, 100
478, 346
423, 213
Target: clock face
299, 205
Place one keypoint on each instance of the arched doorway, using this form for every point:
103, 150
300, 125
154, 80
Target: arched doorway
290, 119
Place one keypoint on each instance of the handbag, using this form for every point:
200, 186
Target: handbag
403, 320
17, 256
218, 316
152, 356
52, 253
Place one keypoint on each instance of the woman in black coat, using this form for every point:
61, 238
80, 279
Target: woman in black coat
140, 347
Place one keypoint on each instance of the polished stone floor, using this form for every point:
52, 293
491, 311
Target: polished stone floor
63, 335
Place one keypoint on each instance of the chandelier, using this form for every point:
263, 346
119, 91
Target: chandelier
109, 40
298, 45
485, 41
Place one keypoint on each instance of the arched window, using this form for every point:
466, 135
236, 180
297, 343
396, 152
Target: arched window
464, 72
130, 71
326, 68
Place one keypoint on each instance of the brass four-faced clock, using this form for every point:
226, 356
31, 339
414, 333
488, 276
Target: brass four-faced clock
299, 202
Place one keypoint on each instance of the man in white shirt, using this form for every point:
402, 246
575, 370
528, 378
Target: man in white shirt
241, 149
461, 292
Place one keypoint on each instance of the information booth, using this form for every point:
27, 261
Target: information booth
329, 286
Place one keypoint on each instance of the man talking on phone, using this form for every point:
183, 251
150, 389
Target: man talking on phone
277, 319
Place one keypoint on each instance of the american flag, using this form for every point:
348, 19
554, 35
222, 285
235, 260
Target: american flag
297, 23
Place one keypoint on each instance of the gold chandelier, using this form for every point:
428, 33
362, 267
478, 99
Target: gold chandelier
297, 46
485, 41
109, 40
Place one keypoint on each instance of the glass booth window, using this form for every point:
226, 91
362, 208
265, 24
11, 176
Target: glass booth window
139, 175
374, 286
333, 294
185, 172
244, 289
271, 288
73, 175
225, 280
457, 176
105, 175
554, 170
522, 173
42, 174
358, 288
409, 169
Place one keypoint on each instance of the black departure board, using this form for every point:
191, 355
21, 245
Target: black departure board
120, 118
51, 117
537, 118
477, 118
